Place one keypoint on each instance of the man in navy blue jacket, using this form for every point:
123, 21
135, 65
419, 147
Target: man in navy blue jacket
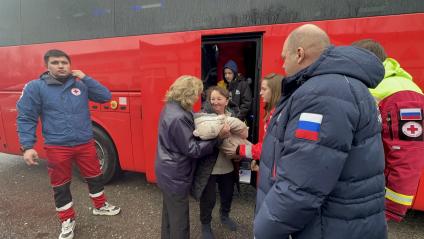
322, 161
60, 99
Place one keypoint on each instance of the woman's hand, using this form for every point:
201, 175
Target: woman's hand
225, 132
254, 166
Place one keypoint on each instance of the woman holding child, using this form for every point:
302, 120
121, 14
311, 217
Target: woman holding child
218, 171
178, 151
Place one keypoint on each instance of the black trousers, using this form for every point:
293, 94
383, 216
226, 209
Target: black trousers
175, 217
208, 198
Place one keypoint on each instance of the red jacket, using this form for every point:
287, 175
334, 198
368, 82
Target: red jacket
402, 118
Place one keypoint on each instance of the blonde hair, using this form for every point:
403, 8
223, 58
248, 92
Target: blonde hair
185, 91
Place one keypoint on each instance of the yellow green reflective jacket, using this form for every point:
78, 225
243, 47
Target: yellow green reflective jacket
395, 79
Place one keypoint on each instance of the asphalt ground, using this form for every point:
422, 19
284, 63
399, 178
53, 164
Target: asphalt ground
27, 208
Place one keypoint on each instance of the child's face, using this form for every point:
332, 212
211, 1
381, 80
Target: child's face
228, 74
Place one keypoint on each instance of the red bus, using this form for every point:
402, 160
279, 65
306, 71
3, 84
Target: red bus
138, 48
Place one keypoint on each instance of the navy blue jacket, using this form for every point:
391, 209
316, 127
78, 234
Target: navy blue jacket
328, 184
178, 150
63, 109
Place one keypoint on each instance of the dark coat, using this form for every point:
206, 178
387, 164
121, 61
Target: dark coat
178, 150
203, 172
205, 166
240, 93
330, 186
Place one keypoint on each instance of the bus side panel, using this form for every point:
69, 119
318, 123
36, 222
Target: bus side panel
116, 123
9, 114
3, 142
401, 36
139, 156
164, 58
9, 133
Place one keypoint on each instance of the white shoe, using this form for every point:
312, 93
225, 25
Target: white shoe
107, 210
68, 227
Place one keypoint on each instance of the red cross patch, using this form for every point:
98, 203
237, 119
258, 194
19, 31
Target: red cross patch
412, 129
76, 91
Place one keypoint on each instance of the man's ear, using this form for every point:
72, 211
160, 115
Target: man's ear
300, 55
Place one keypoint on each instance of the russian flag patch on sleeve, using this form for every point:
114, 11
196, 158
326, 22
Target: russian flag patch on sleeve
309, 126
410, 114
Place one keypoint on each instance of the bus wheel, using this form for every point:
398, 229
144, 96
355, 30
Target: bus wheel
106, 153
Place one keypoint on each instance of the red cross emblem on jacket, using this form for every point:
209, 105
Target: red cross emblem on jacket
76, 91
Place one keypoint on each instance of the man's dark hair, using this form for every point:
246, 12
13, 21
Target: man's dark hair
373, 47
55, 53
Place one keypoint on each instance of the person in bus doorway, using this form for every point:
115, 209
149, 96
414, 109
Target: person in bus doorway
401, 104
270, 93
60, 99
240, 100
219, 171
322, 161
178, 151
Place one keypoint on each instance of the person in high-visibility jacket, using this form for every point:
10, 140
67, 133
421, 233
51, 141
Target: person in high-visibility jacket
401, 104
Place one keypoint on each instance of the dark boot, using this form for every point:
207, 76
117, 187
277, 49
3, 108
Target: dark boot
228, 222
207, 231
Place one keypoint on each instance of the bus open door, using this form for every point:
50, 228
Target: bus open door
246, 50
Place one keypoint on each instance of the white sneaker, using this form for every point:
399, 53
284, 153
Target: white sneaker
107, 209
68, 227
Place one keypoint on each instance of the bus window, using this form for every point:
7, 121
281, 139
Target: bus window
10, 32
64, 20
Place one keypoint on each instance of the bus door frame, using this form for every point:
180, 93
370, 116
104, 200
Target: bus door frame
257, 38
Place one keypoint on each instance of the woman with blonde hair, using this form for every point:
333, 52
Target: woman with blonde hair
270, 93
177, 152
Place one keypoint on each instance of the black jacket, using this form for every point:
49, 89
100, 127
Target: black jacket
240, 94
178, 150
240, 98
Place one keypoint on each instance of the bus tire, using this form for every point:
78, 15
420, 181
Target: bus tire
107, 155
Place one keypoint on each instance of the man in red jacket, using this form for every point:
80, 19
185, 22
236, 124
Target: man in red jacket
401, 104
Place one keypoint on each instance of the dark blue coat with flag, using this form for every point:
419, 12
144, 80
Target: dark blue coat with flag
322, 163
